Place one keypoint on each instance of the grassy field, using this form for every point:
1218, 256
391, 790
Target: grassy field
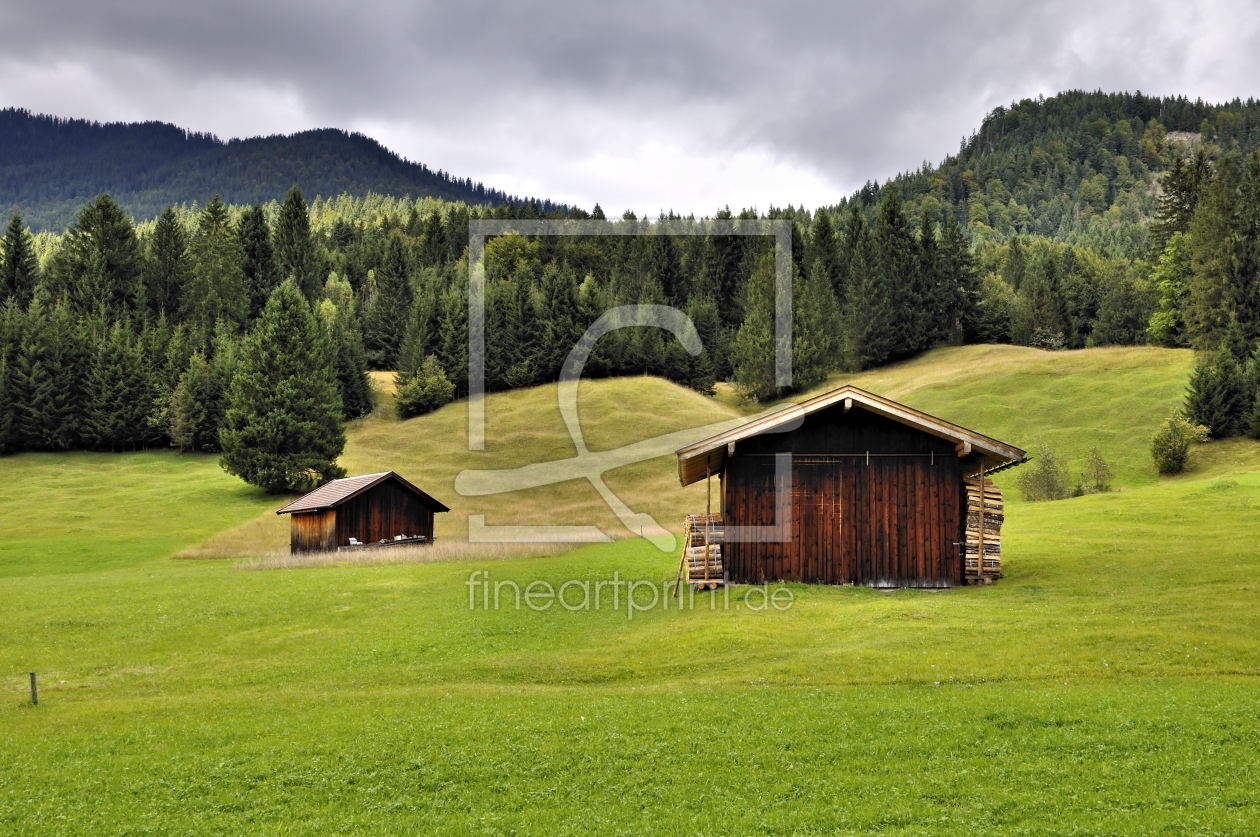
1107, 685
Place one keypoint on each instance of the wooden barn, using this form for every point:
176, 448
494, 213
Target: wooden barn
852, 488
358, 512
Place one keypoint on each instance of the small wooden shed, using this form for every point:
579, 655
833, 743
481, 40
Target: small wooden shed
357, 512
853, 488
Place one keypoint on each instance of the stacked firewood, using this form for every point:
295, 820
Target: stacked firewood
984, 524
703, 535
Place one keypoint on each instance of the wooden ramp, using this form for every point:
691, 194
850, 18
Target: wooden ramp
701, 561
982, 548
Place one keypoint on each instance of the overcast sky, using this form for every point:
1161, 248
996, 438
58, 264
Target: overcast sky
650, 106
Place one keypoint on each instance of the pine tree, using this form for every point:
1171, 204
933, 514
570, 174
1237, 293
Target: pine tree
1183, 187
283, 429
1171, 277
958, 292
216, 290
48, 380
815, 322
868, 310
822, 250
119, 392
350, 361
98, 269
753, 353
295, 247
894, 250
1210, 287
389, 307
1219, 396
433, 246
258, 259
560, 329
167, 266
933, 302
19, 269
1245, 255
192, 425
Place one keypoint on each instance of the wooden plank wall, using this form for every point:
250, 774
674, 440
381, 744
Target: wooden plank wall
891, 520
312, 531
382, 512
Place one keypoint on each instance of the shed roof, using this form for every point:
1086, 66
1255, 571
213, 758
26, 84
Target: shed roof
697, 460
333, 494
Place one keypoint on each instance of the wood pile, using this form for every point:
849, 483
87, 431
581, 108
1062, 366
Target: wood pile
984, 528
701, 562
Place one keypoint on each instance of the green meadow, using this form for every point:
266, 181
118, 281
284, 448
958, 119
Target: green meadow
1108, 684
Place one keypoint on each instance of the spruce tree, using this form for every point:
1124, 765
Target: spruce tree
167, 266
1171, 276
283, 430
868, 312
1219, 395
753, 353
822, 250
49, 373
296, 257
389, 307
815, 322
433, 247
1212, 235
560, 329
258, 259
216, 290
349, 359
933, 300
894, 250
99, 267
958, 290
19, 269
426, 389
119, 393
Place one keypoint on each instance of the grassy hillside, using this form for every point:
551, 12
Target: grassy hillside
1106, 685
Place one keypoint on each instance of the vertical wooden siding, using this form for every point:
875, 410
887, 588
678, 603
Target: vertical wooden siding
892, 519
381, 513
312, 531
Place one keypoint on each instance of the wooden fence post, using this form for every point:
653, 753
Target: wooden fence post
34, 691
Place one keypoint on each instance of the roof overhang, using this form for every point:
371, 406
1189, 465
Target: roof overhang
698, 460
328, 497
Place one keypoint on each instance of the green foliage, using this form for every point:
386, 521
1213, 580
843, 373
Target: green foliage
119, 393
19, 268
1097, 476
341, 331
295, 254
1222, 387
753, 353
283, 430
49, 371
167, 265
389, 307
98, 267
423, 390
258, 259
1045, 479
216, 290
1171, 277
1172, 441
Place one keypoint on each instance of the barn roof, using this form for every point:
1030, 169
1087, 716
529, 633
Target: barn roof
333, 494
697, 460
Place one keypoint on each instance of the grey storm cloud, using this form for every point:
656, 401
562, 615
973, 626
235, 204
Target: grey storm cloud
653, 104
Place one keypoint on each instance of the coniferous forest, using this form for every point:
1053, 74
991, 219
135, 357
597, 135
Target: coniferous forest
1082, 220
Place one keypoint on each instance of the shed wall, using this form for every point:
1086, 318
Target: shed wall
873, 502
312, 531
381, 513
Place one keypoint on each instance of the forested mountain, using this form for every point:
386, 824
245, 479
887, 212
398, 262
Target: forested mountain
1082, 220
49, 167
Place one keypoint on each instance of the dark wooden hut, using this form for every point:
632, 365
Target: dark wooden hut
852, 488
356, 512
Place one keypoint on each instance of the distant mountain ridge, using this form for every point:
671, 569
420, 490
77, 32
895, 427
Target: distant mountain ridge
50, 167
